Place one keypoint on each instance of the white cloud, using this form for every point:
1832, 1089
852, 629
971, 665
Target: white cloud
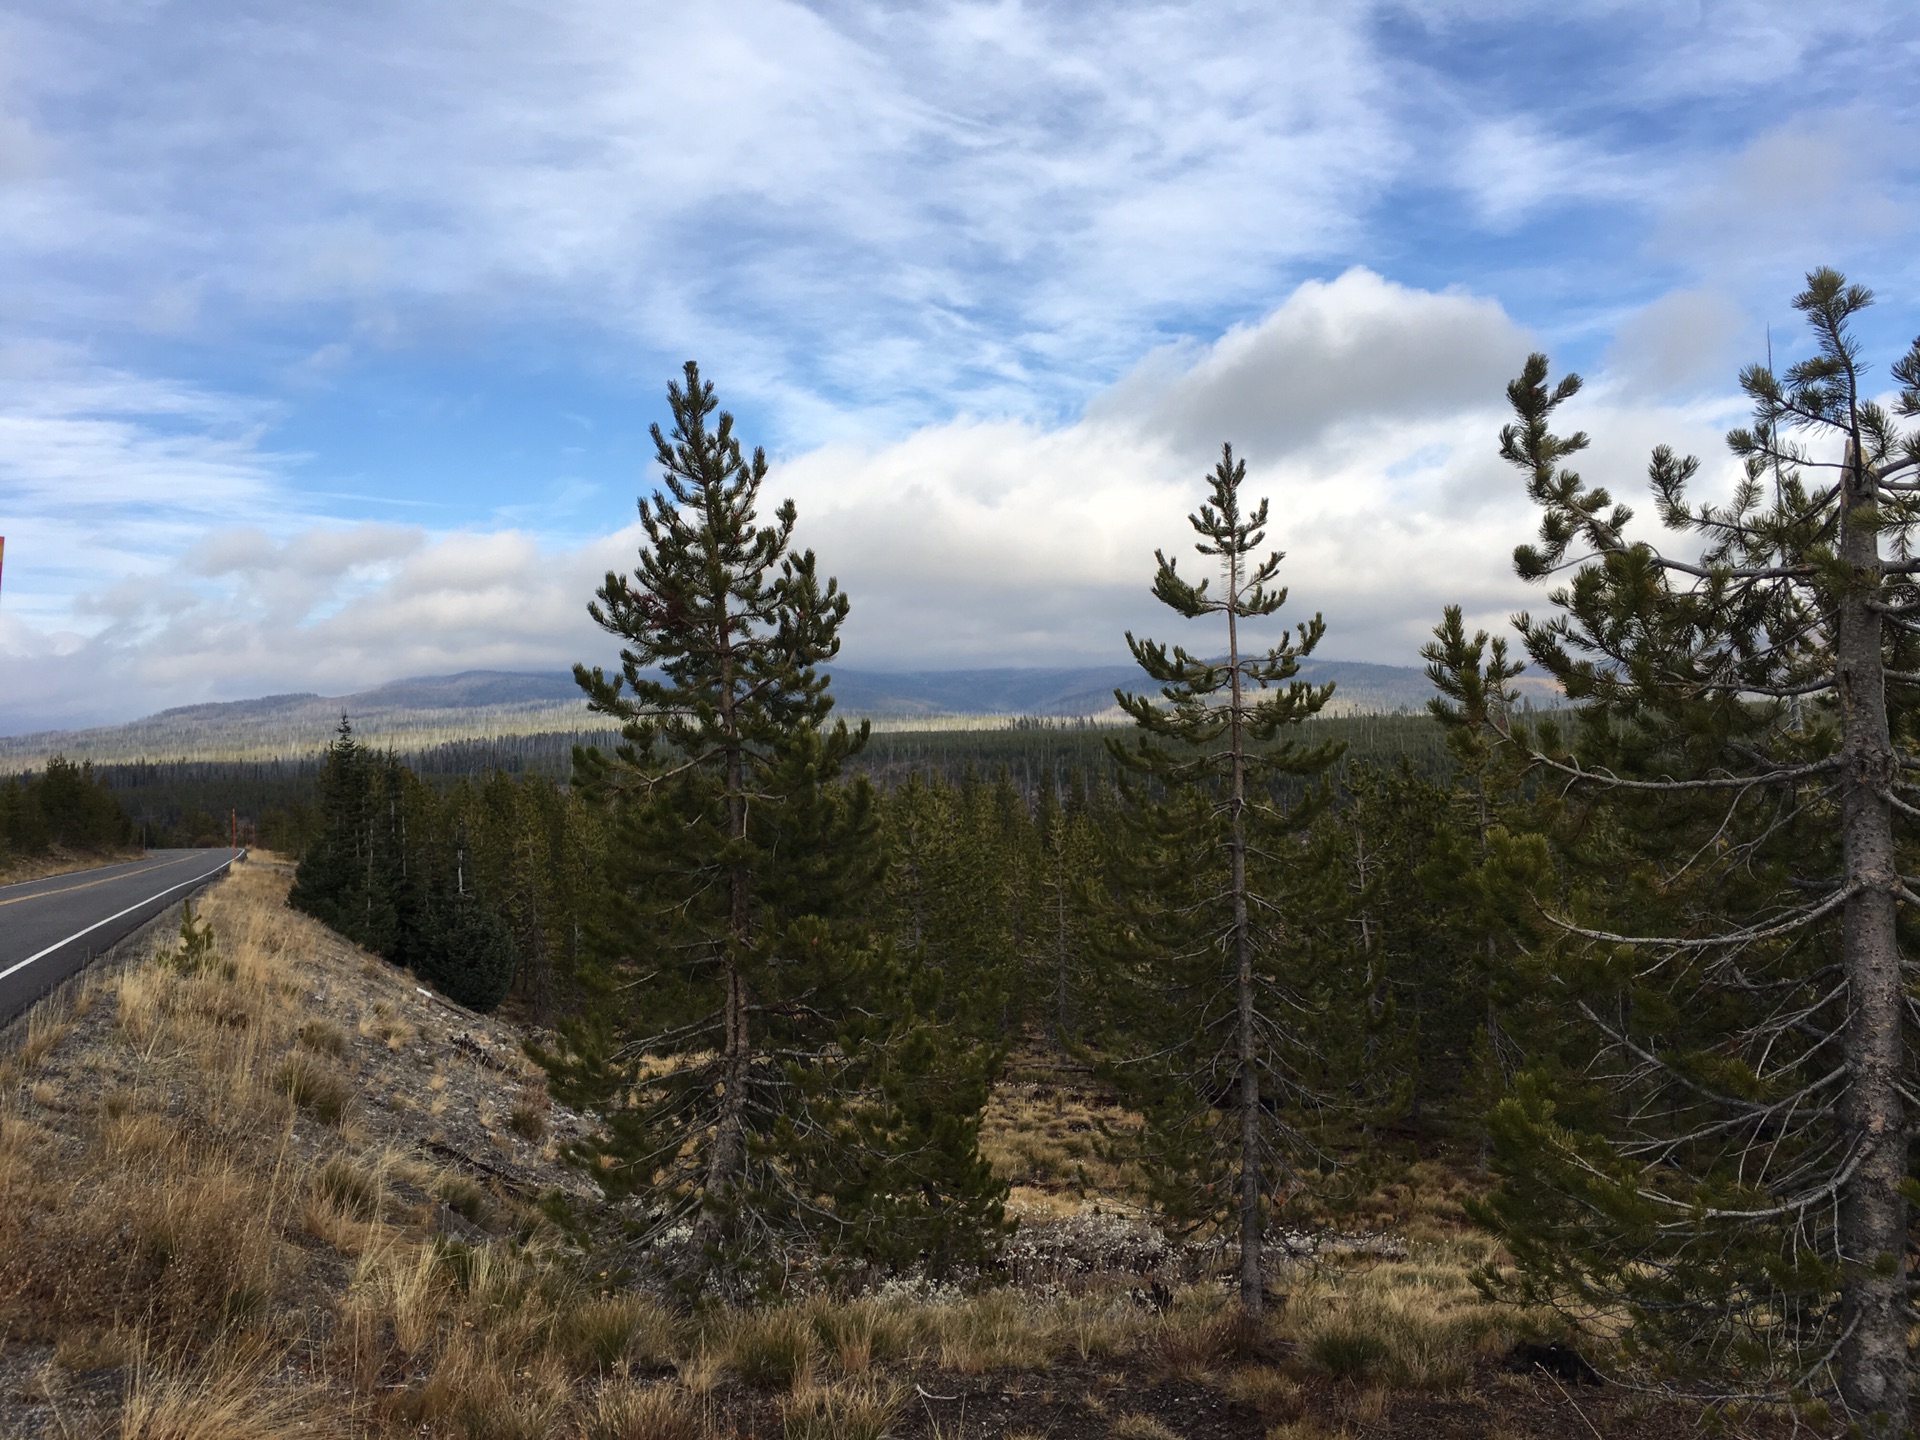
1510, 166
1368, 412
1829, 187
1357, 348
1682, 342
898, 206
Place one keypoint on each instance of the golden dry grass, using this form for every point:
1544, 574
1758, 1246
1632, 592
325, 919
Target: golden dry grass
1417, 1323
192, 1190
1048, 1141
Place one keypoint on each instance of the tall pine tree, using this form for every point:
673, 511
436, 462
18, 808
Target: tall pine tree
1716, 1145
1229, 976
755, 1061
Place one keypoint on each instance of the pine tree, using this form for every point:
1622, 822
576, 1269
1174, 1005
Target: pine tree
390, 870
1070, 873
1234, 936
344, 879
729, 1046
1483, 934
1717, 1142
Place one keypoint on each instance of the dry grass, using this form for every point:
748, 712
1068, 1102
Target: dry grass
195, 1191
1308, 1430
847, 1410
223, 1396
1049, 1143
18, 869
655, 1412
1140, 1427
1417, 1323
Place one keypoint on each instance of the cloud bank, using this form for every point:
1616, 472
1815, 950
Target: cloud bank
326, 318
1366, 410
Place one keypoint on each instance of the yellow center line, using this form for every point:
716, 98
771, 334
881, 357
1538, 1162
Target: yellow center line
103, 880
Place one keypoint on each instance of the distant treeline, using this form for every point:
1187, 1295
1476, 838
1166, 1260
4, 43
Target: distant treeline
66, 805
190, 802
1041, 757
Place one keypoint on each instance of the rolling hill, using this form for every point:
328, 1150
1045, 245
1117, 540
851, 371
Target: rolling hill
413, 714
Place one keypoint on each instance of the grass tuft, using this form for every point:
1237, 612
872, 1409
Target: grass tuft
323, 1038
222, 1397
610, 1330
1140, 1427
348, 1188
1349, 1352
769, 1349
848, 1410
314, 1087
463, 1195
658, 1412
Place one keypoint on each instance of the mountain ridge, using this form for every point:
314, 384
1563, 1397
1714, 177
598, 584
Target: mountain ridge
419, 711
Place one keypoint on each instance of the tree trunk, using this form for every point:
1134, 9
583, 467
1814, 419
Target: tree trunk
1253, 1284
727, 1154
1873, 1212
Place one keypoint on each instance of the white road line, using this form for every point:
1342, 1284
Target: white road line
58, 944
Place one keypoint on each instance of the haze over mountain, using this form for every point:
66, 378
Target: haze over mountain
429, 710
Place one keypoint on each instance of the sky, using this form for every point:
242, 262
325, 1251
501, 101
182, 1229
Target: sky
333, 329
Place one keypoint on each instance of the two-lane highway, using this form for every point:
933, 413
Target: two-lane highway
51, 928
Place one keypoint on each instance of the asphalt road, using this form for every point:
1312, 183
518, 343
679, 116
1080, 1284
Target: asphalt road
50, 929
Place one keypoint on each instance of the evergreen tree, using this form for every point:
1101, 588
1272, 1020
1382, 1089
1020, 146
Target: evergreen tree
954, 898
343, 880
1232, 957
730, 1048
1389, 829
1716, 1143
390, 870
1070, 872
1481, 930
65, 804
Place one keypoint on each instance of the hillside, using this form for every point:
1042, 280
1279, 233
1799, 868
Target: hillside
286, 1192
418, 714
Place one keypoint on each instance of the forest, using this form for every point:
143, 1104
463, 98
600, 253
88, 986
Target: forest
1645, 954
1638, 962
65, 805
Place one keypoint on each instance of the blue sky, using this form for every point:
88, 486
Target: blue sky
334, 329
